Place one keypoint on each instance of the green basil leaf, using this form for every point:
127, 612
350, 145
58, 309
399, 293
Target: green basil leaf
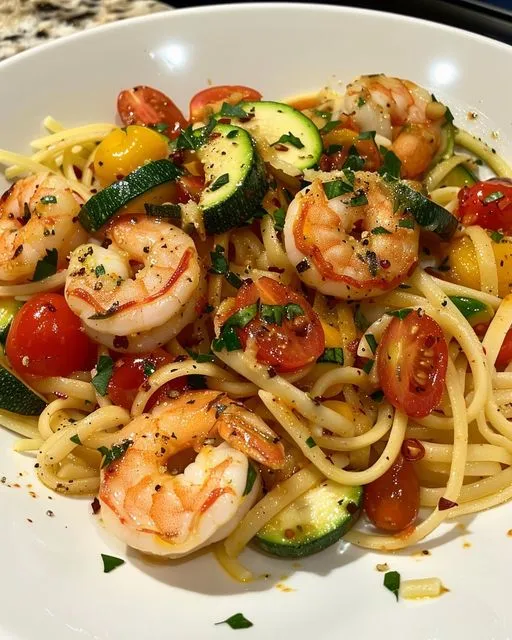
392, 582
290, 139
232, 111
160, 127
75, 439
327, 128
99, 270
390, 169
380, 231
496, 237
104, 370
366, 135
310, 442
333, 148
292, 310
360, 320
372, 343
252, 474
201, 357
48, 200
149, 368
368, 366
354, 161
114, 453
238, 621
468, 306
279, 216
400, 313
272, 313
358, 200
47, 266
493, 197
333, 354
110, 563
406, 223
336, 188
220, 182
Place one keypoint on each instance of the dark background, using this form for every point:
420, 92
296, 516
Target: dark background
492, 19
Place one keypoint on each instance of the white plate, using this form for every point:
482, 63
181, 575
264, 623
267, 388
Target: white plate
52, 585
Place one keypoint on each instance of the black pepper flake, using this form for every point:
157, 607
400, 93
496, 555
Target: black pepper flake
50, 513
18, 251
302, 266
352, 508
272, 373
95, 506
120, 342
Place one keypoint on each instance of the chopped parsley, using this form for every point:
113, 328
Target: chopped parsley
372, 343
289, 138
104, 370
116, 452
75, 439
354, 161
149, 368
99, 270
274, 313
329, 126
322, 114
220, 266
380, 231
279, 216
390, 169
228, 338
220, 182
47, 266
448, 116
493, 197
333, 148
358, 200
332, 354
193, 139
361, 102
110, 563
252, 474
310, 442
400, 313
468, 306
336, 188
160, 127
392, 582
238, 621
406, 223
496, 236
201, 357
232, 111
367, 135
360, 319
48, 200
368, 366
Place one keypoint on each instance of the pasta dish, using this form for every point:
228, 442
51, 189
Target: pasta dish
265, 322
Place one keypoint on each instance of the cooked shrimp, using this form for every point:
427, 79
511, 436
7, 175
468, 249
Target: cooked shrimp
383, 104
37, 214
130, 309
171, 513
350, 252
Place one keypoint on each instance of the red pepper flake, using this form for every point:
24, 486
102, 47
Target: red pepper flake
413, 450
95, 506
289, 534
445, 504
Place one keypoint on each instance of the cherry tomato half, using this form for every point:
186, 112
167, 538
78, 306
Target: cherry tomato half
47, 339
286, 347
392, 501
130, 372
145, 105
411, 363
210, 100
488, 204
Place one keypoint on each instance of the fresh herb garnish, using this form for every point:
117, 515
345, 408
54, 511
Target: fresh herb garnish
366, 135
310, 442
380, 231
193, 139
279, 216
196, 381
354, 161
272, 313
228, 338
110, 563
48, 200
377, 396
232, 111
372, 343
368, 366
468, 306
292, 310
333, 148
327, 128
360, 320
358, 200
200, 357
160, 127
238, 621
392, 582
493, 197
448, 116
149, 368
496, 237
220, 266
117, 450
390, 169
406, 223
104, 370
232, 134
400, 313
361, 101
332, 354
290, 139
322, 114
99, 270
75, 439
252, 474
336, 188
163, 210
220, 182
47, 266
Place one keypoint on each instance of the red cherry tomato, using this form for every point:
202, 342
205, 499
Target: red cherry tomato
145, 106
411, 362
286, 347
210, 100
47, 339
392, 501
130, 372
488, 204
189, 188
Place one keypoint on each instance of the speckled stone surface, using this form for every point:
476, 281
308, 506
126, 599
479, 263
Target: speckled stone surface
27, 23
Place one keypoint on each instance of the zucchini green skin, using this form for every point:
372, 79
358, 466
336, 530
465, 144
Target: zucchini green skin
271, 120
236, 201
104, 205
429, 215
16, 397
317, 520
460, 176
9, 307
446, 146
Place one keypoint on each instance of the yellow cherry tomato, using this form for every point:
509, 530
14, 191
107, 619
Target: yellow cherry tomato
124, 150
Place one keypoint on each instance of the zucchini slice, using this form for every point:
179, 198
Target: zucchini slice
101, 207
313, 522
460, 176
236, 178
17, 397
446, 145
429, 215
293, 135
9, 307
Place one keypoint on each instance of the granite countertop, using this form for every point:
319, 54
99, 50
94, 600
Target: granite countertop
27, 23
